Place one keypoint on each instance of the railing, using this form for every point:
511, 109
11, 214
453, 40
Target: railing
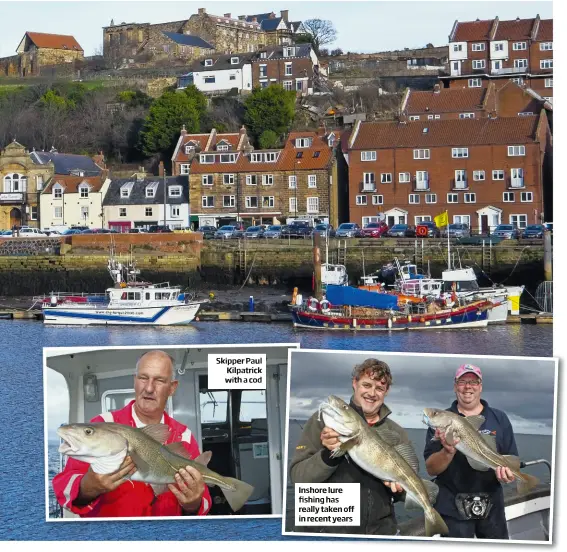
516, 183
367, 187
509, 70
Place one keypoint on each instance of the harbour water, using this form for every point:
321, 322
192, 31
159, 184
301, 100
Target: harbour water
23, 478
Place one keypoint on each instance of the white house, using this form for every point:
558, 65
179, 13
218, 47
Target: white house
70, 200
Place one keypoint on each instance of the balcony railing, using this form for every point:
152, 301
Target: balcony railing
368, 186
421, 186
516, 183
459, 184
509, 70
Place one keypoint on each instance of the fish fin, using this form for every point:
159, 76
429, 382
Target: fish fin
345, 446
476, 421
475, 465
237, 496
526, 483
108, 464
179, 449
390, 436
159, 489
412, 504
407, 452
490, 440
513, 461
432, 490
158, 432
204, 458
435, 524
451, 435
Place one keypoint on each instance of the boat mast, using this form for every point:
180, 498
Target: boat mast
448, 243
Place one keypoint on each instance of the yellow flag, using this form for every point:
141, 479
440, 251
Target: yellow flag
442, 219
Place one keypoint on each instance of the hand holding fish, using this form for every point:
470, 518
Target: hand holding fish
330, 438
94, 484
393, 486
449, 449
504, 474
189, 490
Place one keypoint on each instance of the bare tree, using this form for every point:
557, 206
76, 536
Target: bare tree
320, 32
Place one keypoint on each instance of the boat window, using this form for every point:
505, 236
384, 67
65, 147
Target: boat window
252, 405
213, 406
162, 296
134, 296
147, 296
123, 296
116, 399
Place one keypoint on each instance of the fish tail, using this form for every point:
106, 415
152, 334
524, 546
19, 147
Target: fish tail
435, 524
238, 494
526, 483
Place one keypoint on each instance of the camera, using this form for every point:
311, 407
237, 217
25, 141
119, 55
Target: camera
474, 506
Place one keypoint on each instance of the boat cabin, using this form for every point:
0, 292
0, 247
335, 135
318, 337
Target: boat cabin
335, 275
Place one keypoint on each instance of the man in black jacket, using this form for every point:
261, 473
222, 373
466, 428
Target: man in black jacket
312, 462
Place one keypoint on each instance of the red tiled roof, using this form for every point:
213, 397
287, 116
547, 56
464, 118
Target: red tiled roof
450, 132
517, 29
447, 100
472, 30
58, 42
71, 183
202, 140
345, 136
545, 31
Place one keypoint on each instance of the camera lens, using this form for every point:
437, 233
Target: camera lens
477, 508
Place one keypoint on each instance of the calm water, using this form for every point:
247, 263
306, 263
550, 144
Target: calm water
530, 447
22, 477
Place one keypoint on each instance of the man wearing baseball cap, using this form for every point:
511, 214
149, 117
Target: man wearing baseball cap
470, 501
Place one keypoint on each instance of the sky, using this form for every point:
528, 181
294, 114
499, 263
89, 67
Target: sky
523, 388
362, 26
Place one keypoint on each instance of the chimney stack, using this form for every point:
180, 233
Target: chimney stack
272, 15
242, 18
201, 11
227, 15
284, 14
242, 130
254, 20
183, 131
161, 170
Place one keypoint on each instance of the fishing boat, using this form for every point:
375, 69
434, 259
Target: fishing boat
129, 302
349, 308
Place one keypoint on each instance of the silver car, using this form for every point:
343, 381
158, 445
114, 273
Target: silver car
506, 231
347, 230
457, 230
254, 232
225, 232
273, 232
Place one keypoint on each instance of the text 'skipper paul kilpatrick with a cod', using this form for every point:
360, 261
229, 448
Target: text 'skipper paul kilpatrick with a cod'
89, 493
363, 429
471, 449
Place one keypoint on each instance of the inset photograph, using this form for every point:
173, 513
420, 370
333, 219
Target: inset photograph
136, 432
420, 446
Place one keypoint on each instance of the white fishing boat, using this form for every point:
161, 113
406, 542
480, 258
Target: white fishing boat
129, 302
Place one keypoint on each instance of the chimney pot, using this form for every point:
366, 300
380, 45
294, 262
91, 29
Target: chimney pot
227, 15
241, 17
201, 11
437, 88
183, 130
284, 14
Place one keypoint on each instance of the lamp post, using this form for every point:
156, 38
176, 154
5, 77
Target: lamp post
164, 201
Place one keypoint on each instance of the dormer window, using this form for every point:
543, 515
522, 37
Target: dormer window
222, 147
263, 55
84, 191
302, 142
126, 189
174, 191
151, 189
189, 149
234, 60
57, 191
289, 52
208, 158
208, 63
331, 140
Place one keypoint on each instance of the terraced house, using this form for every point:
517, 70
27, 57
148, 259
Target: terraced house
482, 171
230, 181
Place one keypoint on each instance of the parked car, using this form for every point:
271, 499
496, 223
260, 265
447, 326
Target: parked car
136, 231
28, 232
297, 229
534, 231
401, 231
374, 230
324, 229
159, 229
70, 232
6, 234
207, 231
184, 230
432, 230
254, 232
225, 232
506, 231
348, 230
457, 230
273, 232
549, 226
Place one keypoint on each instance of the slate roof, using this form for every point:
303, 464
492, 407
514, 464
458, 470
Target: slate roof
58, 42
221, 62
451, 132
271, 24
138, 192
277, 52
189, 40
65, 163
447, 100
72, 183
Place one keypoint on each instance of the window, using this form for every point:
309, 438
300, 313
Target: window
414, 198
289, 52
316, 154
292, 205
478, 64
228, 179
520, 63
33, 212
521, 221
526, 197
228, 157
377, 200
548, 83
478, 175
430, 117
263, 84
462, 219
303, 143
207, 180
361, 200
267, 179
422, 218
466, 115
498, 47
174, 191
421, 154
369, 182
312, 204
256, 157
208, 201
414, 118
520, 46
228, 201
175, 211
452, 198
404, 178
508, 197
525, 113
189, 149
268, 201
368, 156
150, 191
58, 212
292, 181
209, 79
271, 157
223, 147
459, 152
312, 181
84, 191
386, 178
251, 202
478, 47
470, 198
39, 181
122, 211
437, 116
516, 151
546, 64
518, 80
15, 183
545, 46
263, 70
184, 169
457, 47
234, 61
517, 180
288, 85
288, 69
475, 83
251, 180
421, 180
149, 211
58, 192
208, 158
460, 178
498, 174
208, 63
430, 198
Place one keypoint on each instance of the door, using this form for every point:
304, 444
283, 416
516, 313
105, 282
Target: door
15, 218
484, 224
391, 221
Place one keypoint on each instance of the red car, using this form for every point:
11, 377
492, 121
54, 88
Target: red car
374, 230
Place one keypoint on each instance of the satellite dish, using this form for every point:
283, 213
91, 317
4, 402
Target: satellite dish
381, 217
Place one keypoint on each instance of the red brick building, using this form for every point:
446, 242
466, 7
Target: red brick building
482, 171
492, 50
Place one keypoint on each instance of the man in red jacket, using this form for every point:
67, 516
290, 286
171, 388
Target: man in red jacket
86, 493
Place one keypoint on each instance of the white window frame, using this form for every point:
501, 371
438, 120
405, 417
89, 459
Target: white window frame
518, 80
184, 168
508, 197
479, 176
546, 63
519, 220
57, 192
312, 181
461, 176
227, 158
303, 142
421, 177
517, 174
545, 46
520, 63
421, 218
292, 182
209, 79
498, 174
517, 46
58, 212
206, 158
270, 157
293, 205
84, 191
288, 70
205, 201
466, 115
228, 179
251, 180
459, 153
475, 83
478, 47
367, 155
248, 202
525, 195
498, 46
267, 180
413, 199
234, 60
378, 199
361, 200
231, 201
288, 85
422, 154
84, 212
271, 202
174, 191
453, 198
189, 149
222, 147
149, 212
521, 151
430, 198
150, 192
548, 83
414, 117
206, 178
479, 64
313, 205
122, 212
462, 219
470, 197
386, 178
208, 63
404, 178
175, 211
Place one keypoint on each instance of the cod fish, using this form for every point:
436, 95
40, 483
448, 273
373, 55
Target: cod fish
105, 445
480, 449
384, 456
